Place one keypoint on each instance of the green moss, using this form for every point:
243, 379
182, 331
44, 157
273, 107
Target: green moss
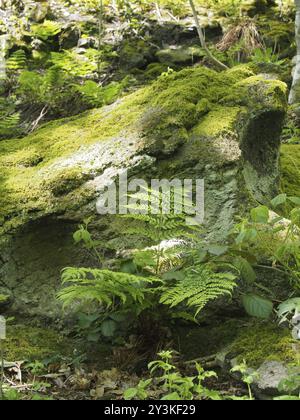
155, 70
203, 107
275, 91
290, 169
219, 121
35, 176
30, 343
264, 342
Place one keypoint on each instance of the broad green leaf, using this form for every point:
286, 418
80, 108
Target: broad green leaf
260, 214
247, 272
279, 200
128, 267
172, 397
295, 200
257, 306
130, 393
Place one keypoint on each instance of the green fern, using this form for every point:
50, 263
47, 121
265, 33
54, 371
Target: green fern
103, 287
165, 225
45, 30
54, 78
9, 125
200, 286
76, 65
91, 93
17, 61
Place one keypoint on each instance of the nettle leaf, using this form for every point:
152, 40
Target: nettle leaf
246, 270
130, 393
279, 200
260, 214
258, 306
246, 235
295, 200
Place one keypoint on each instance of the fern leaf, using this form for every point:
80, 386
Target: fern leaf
102, 286
200, 286
17, 61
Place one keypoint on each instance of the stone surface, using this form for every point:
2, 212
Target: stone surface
193, 124
271, 376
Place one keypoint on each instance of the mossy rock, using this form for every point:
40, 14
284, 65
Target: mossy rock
179, 55
26, 343
261, 342
290, 169
196, 123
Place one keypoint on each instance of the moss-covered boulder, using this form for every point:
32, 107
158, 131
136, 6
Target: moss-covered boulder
290, 169
269, 352
197, 123
26, 343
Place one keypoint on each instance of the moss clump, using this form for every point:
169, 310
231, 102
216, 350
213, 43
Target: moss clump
290, 169
264, 342
274, 91
219, 121
37, 172
154, 70
30, 343
66, 181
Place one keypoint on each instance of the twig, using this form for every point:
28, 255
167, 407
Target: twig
43, 113
202, 39
202, 360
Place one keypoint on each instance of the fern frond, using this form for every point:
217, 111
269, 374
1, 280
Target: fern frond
54, 78
102, 286
8, 124
200, 286
45, 30
17, 61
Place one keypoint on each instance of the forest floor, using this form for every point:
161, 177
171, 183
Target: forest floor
71, 369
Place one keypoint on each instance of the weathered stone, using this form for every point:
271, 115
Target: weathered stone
51, 180
271, 374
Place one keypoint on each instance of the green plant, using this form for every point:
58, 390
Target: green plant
248, 377
45, 30
278, 240
17, 61
267, 55
165, 274
140, 392
172, 385
198, 286
290, 386
36, 367
108, 288
9, 124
